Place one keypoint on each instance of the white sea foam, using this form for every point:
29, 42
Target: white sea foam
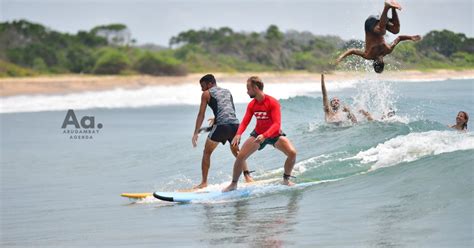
185, 94
414, 146
376, 97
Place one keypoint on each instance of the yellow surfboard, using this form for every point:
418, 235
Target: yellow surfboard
136, 195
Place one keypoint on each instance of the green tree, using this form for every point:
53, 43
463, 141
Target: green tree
39, 65
79, 59
111, 62
115, 34
153, 64
273, 33
444, 42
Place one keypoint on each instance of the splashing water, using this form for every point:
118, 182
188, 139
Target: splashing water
376, 97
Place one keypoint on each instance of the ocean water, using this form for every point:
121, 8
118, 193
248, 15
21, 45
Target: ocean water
403, 182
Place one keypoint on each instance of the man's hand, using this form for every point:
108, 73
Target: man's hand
260, 139
346, 109
236, 140
365, 113
195, 139
210, 121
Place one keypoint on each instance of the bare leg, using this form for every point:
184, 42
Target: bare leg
206, 162
380, 28
394, 24
249, 147
235, 151
402, 38
284, 144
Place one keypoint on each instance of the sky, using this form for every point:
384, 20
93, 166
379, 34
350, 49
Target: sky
156, 21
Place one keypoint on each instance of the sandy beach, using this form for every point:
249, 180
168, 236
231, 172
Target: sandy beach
63, 84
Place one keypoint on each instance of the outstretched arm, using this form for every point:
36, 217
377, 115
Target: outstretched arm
350, 116
246, 120
325, 95
366, 114
243, 125
349, 52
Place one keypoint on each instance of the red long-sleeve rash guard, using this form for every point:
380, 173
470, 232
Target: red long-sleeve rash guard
268, 117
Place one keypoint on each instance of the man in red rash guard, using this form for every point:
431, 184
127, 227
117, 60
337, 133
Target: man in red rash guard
267, 131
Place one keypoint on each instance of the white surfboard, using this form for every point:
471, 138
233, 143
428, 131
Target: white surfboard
185, 197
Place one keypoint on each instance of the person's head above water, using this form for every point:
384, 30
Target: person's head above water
254, 86
335, 103
461, 120
378, 65
207, 81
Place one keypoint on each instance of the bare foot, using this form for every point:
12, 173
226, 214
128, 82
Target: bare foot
200, 186
249, 179
232, 186
416, 38
288, 183
393, 4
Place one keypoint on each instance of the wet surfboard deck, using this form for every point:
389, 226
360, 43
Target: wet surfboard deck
185, 197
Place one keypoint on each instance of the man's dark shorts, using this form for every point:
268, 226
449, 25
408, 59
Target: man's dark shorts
268, 141
223, 133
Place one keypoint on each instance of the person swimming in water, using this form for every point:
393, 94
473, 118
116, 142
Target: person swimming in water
334, 114
375, 45
461, 121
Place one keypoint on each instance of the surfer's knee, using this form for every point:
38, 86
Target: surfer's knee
396, 29
234, 150
207, 152
241, 156
291, 154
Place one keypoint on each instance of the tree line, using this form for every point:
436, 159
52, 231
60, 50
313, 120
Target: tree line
28, 48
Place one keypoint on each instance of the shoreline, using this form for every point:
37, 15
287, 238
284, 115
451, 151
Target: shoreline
73, 83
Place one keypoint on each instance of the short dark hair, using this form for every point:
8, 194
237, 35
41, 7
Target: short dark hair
208, 78
378, 66
254, 80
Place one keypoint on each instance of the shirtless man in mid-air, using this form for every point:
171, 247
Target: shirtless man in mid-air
375, 45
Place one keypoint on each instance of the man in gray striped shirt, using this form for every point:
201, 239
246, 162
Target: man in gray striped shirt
224, 126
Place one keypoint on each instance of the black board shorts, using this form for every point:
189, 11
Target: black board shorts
267, 141
223, 133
